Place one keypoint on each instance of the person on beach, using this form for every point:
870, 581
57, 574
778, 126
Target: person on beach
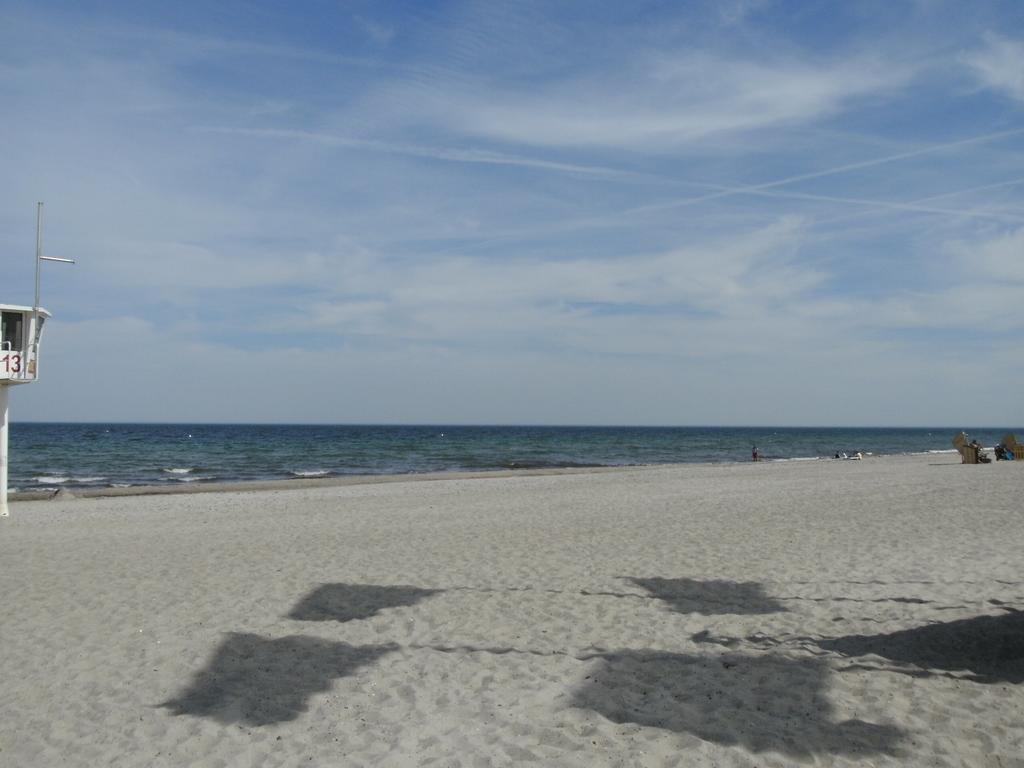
753, 453
979, 451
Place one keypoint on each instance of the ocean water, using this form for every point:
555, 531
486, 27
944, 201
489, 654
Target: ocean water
51, 456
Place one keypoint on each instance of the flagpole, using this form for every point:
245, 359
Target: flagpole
39, 252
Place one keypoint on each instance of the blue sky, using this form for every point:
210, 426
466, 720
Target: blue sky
746, 212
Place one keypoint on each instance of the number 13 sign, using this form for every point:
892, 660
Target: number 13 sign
11, 363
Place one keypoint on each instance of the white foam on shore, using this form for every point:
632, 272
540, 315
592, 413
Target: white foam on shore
178, 470
61, 479
311, 472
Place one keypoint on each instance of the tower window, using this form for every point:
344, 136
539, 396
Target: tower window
12, 336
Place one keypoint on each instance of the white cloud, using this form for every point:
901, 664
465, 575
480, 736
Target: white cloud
1000, 65
976, 288
642, 304
380, 34
762, 374
1000, 259
733, 12
661, 102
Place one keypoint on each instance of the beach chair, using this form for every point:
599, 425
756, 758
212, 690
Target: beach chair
1010, 441
968, 453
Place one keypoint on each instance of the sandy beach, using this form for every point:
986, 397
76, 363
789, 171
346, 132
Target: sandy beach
769, 614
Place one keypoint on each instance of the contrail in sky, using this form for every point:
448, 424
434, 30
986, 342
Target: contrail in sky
754, 188
419, 150
916, 204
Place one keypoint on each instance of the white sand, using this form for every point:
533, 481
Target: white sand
828, 613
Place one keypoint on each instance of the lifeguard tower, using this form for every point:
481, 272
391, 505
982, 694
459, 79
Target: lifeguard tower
20, 331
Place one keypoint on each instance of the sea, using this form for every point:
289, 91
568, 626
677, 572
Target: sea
50, 456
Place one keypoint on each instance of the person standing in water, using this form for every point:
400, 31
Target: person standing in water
753, 453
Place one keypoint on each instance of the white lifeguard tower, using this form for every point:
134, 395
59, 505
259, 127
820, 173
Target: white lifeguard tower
20, 331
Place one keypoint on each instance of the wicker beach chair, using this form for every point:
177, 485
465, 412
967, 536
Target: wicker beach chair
968, 453
1010, 441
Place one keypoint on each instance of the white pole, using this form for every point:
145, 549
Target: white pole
39, 250
33, 346
3, 450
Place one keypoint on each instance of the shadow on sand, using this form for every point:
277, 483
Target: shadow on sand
989, 648
348, 602
759, 703
260, 681
711, 597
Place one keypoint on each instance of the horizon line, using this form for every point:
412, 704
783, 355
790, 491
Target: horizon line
520, 426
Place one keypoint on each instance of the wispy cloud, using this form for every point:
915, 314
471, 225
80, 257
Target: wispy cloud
999, 65
995, 261
655, 103
381, 34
